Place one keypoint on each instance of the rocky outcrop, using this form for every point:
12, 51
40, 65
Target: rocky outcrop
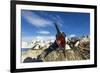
79, 52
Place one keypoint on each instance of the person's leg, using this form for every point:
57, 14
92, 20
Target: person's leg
47, 51
64, 52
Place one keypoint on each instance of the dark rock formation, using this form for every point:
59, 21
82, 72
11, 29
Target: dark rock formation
29, 59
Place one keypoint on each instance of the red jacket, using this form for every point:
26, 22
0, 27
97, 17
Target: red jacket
61, 41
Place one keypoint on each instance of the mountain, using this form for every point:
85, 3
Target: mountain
81, 51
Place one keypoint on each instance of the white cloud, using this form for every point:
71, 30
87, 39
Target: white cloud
35, 19
27, 38
72, 35
45, 37
30, 38
44, 32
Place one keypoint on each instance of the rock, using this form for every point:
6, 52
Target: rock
67, 47
58, 55
73, 55
80, 51
29, 59
53, 56
84, 48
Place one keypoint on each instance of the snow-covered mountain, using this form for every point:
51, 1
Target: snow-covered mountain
37, 42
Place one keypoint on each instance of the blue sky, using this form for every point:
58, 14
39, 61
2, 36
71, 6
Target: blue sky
40, 24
